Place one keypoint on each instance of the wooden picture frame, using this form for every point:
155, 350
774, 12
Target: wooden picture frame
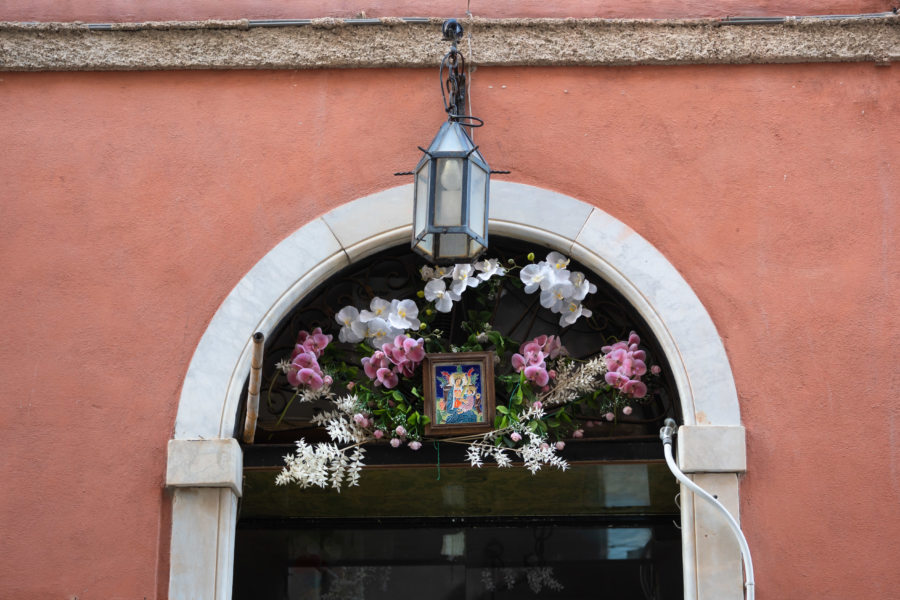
459, 393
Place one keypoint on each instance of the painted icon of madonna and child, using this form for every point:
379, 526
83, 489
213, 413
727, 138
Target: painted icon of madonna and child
459, 396
460, 391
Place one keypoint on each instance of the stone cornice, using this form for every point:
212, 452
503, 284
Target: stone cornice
330, 43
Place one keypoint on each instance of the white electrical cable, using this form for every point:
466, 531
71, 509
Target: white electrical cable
665, 435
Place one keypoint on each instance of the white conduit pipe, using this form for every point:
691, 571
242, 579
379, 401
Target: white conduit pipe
665, 434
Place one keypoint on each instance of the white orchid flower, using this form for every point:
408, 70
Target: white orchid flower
582, 286
557, 296
463, 277
426, 272
380, 332
378, 309
533, 276
572, 311
352, 329
557, 261
436, 291
403, 315
442, 272
489, 268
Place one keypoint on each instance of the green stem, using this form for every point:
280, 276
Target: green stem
271, 387
286, 407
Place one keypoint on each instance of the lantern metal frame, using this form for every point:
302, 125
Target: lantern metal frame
452, 143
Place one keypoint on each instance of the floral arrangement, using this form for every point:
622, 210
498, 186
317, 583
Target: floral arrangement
380, 396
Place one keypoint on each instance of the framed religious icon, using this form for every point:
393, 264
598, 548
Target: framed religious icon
459, 393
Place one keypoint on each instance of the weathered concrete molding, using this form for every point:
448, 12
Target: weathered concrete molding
332, 43
712, 449
216, 463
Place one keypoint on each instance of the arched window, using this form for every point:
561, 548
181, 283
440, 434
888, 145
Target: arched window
204, 461
426, 523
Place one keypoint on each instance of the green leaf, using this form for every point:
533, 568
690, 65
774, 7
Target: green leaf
413, 418
503, 409
553, 422
504, 422
397, 396
533, 425
497, 341
425, 420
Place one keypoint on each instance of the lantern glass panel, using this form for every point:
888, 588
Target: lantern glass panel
448, 193
453, 245
421, 214
426, 246
451, 138
477, 196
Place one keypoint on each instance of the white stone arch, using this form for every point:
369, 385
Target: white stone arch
204, 464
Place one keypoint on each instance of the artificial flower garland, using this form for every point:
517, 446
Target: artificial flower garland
384, 400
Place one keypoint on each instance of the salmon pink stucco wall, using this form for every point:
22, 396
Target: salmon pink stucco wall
198, 10
133, 202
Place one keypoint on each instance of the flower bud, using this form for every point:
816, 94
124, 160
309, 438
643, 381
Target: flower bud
538, 405
378, 434
420, 293
395, 442
609, 416
429, 312
578, 433
423, 326
515, 436
627, 410
531, 256
655, 369
415, 445
400, 430
560, 445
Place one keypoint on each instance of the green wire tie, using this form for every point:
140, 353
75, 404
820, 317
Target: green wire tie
437, 447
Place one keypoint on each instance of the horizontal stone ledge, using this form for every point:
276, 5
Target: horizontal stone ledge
712, 449
205, 463
331, 43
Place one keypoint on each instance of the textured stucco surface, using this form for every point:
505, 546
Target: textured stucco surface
133, 202
201, 10
332, 43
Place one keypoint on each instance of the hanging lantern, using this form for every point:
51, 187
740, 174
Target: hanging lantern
452, 180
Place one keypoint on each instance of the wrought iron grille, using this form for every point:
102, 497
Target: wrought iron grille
394, 273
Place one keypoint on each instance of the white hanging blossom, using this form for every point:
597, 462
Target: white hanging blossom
326, 464
537, 453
